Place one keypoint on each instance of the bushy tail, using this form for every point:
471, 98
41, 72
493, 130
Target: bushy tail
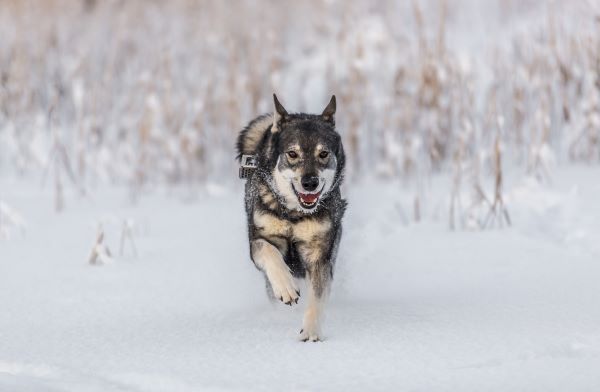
250, 137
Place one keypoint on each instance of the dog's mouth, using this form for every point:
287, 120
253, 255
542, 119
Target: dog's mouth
309, 200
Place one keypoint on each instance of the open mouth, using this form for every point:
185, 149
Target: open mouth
308, 200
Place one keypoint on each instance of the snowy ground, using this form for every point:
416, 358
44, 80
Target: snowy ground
415, 307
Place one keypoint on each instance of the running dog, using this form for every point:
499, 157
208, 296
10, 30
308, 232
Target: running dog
294, 165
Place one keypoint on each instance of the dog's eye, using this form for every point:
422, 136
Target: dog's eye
324, 154
292, 154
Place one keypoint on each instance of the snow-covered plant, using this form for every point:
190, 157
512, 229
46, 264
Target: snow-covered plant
100, 253
541, 157
586, 142
497, 214
137, 101
127, 237
59, 166
10, 221
460, 164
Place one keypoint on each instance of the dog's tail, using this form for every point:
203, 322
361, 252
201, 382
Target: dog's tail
250, 137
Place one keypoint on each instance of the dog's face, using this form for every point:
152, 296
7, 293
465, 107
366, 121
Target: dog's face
308, 153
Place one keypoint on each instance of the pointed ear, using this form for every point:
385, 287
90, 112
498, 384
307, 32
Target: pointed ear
279, 114
329, 112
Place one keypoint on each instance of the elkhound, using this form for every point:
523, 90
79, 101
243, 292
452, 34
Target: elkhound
294, 164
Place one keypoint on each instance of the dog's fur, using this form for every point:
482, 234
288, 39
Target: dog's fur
294, 205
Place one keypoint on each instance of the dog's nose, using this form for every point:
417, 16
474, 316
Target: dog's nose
310, 183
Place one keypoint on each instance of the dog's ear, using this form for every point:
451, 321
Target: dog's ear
279, 115
329, 112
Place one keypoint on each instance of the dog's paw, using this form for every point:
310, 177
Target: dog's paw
283, 285
311, 330
309, 335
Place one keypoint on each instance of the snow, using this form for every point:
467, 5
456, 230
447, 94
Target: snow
143, 281
414, 306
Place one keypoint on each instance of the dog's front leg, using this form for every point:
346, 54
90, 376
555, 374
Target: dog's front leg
319, 278
268, 259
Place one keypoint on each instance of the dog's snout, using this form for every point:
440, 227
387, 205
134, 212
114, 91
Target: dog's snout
310, 183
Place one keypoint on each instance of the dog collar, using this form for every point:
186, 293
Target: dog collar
248, 165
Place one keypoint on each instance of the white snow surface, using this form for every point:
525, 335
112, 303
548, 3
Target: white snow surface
415, 307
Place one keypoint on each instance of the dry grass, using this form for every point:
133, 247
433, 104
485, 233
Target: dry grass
153, 92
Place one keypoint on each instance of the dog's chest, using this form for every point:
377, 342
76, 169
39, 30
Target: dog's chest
305, 230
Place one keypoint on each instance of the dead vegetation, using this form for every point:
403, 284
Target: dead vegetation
148, 93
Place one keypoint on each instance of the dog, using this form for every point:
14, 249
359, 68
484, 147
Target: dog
294, 165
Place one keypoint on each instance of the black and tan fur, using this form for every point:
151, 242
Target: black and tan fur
294, 206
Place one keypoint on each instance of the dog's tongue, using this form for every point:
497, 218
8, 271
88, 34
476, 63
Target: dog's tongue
309, 197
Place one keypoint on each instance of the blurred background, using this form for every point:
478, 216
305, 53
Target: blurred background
153, 92
469, 259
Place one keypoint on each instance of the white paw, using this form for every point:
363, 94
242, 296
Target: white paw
310, 326
284, 287
309, 333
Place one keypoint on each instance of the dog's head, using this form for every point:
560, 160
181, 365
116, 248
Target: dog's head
306, 156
